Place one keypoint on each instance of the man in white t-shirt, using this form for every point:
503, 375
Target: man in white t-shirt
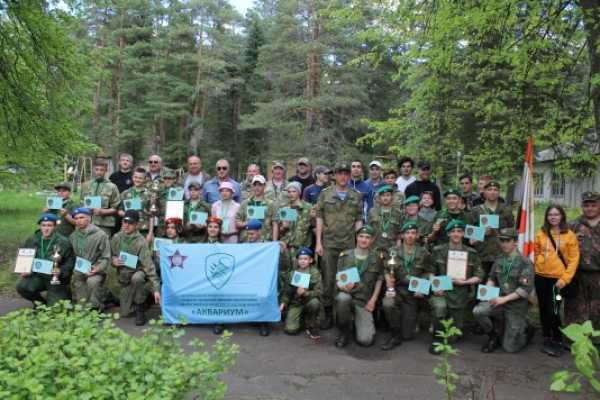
405, 165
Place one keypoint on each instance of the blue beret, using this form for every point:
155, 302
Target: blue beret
304, 251
253, 225
81, 210
47, 217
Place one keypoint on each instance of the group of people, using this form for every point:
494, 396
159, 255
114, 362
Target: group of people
390, 228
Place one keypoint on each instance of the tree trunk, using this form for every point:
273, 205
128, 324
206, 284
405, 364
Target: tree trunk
199, 98
313, 78
591, 21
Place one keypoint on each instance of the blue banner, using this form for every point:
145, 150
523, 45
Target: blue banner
219, 283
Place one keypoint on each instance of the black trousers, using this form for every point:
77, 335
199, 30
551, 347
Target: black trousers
549, 308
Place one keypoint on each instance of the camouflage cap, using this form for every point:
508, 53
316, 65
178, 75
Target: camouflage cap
366, 230
508, 233
453, 191
277, 164
342, 166
590, 196
455, 224
63, 185
169, 174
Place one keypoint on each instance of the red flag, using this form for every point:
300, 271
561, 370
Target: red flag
525, 218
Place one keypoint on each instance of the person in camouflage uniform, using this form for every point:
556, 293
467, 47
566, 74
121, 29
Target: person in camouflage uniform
514, 275
194, 233
389, 178
385, 219
489, 249
132, 294
295, 234
166, 182
104, 217
64, 223
46, 241
275, 188
401, 306
359, 300
453, 303
411, 214
339, 213
451, 212
302, 302
92, 244
269, 229
246, 185
139, 191
585, 305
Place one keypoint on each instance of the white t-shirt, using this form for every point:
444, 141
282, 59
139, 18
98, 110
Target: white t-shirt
402, 183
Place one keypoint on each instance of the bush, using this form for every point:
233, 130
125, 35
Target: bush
69, 352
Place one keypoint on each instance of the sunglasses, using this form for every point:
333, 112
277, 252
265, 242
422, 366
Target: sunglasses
153, 162
222, 168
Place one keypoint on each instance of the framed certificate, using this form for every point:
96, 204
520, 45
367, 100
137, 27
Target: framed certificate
456, 267
24, 261
174, 210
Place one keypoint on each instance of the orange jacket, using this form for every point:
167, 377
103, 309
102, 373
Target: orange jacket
547, 262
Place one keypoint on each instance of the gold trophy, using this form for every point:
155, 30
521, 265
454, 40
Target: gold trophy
55, 268
154, 188
390, 266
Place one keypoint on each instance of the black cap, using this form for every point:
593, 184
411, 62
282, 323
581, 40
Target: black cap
131, 217
424, 165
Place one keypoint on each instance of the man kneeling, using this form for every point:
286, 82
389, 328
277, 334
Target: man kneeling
133, 261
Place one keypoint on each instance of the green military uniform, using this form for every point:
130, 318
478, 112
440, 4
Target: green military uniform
348, 304
307, 306
111, 198
585, 305
267, 222
339, 217
386, 223
144, 195
31, 286
64, 227
512, 274
489, 249
445, 216
297, 234
401, 311
132, 281
194, 233
454, 302
423, 226
93, 245
276, 194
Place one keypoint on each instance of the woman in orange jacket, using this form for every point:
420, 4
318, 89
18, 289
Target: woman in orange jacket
556, 260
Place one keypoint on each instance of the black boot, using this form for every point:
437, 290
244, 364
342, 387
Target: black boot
394, 340
342, 338
492, 343
327, 321
530, 333
264, 329
217, 329
140, 315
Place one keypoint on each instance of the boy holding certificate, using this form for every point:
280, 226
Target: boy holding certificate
385, 219
257, 206
399, 304
92, 252
514, 275
137, 198
64, 223
359, 281
294, 222
462, 264
301, 296
132, 259
195, 214
46, 241
443, 217
102, 197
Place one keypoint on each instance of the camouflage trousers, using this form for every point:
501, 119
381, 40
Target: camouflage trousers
441, 311
364, 325
31, 287
401, 313
328, 271
586, 303
133, 290
89, 288
309, 310
514, 337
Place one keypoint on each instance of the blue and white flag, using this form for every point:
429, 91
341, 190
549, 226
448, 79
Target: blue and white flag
219, 283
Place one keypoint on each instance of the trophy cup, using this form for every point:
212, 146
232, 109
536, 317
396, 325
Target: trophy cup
55, 268
390, 266
154, 188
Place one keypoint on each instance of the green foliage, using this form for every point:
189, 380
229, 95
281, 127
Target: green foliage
443, 371
586, 357
71, 352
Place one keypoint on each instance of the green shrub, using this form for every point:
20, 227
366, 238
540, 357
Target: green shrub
443, 371
70, 352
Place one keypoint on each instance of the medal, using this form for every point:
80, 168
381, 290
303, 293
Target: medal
384, 235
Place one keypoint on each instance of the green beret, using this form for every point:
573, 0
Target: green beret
412, 200
453, 191
492, 184
409, 225
455, 223
367, 230
385, 189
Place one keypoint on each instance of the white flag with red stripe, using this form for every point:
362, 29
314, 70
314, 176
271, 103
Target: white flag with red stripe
525, 218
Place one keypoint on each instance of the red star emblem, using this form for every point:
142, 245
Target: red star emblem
177, 260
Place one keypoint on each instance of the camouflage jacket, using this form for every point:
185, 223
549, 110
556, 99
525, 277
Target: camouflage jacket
63, 226
370, 271
314, 290
276, 194
45, 248
423, 225
513, 274
339, 217
270, 215
193, 232
445, 216
589, 244
136, 245
459, 296
489, 249
418, 265
387, 226
144, 195
111, 198
298, 233
93, 245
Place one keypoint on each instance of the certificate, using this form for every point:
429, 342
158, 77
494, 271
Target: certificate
54, 203
288, 214
301, 279
441, 283
489, 221
82, 265
475, 233
175, 194
93, 201
198, 217
256, 212
419, 285
161, 241
129, 260
132, 204
174, 209
457, 264
487, 293
347, 276
24, 261
42, 266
